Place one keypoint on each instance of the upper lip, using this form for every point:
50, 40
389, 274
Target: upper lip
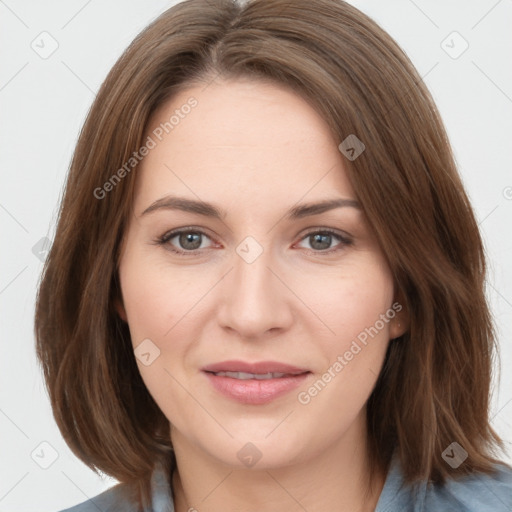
260, 367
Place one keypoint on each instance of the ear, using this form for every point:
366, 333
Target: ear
118, 300
119, 307
400, 323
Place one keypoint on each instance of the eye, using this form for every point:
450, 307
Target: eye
321, 240
184, 241
189, 242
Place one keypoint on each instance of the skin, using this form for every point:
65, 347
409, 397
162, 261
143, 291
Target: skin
256, 150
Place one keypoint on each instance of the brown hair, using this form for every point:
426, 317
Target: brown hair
435, 384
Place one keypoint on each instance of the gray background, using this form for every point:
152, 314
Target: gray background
44, 99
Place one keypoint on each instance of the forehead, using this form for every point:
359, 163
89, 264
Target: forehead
243, 137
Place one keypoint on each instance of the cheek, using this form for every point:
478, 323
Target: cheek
158, 305
155, 299
352, 303
353, 306
348, 300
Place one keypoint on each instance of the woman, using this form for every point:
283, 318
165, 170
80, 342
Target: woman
266, 289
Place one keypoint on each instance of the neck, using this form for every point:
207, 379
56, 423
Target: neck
336, 479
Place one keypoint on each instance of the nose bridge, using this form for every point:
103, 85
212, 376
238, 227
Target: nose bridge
251, 275
254, 299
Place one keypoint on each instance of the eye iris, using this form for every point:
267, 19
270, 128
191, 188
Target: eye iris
323, 239
190, 241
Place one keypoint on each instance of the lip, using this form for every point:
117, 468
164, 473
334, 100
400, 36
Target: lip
257, 367
253, 391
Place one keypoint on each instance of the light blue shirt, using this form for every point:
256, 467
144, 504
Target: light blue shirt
477, 493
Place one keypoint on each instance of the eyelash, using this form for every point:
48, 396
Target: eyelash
166, 237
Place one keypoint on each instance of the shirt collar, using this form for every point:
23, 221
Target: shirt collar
398, 497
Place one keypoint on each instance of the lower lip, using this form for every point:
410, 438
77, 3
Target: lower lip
253, 391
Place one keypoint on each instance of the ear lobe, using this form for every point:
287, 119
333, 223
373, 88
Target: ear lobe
119, 307
399, 325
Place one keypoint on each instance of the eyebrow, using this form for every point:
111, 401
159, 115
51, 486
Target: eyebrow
210, 210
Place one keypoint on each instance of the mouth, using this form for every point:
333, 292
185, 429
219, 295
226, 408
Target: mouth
254, 383
257, 376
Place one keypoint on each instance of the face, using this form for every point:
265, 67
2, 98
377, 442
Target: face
257, 318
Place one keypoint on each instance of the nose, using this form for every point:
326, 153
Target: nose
255, 301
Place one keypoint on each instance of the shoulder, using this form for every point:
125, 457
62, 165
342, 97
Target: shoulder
480, 492
123, 497
116, 499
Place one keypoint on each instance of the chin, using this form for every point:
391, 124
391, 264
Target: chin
256, 449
